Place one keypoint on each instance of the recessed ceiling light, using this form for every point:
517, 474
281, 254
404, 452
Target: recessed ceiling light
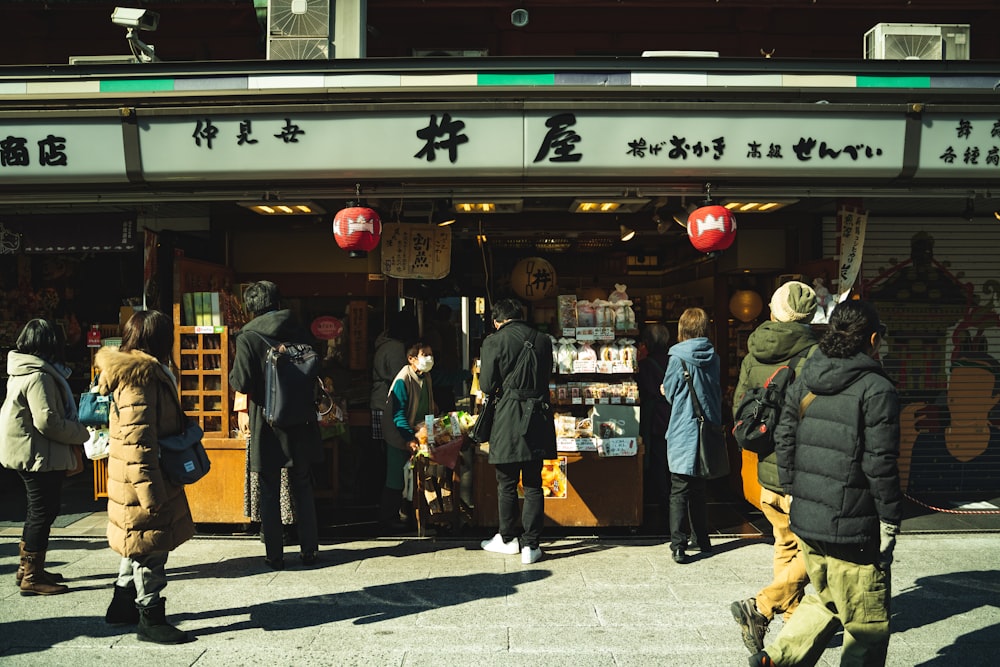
283, 208
607, 205
758, 206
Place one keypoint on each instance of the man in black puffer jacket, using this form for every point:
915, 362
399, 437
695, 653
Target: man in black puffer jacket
837, 445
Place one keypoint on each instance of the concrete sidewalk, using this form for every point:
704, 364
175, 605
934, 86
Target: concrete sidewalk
424, 602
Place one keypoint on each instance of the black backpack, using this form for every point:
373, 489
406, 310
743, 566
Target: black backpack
759, 411
291, 376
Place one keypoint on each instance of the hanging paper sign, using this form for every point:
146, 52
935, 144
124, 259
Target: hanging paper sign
327, 327
416, 251
852, 245
357, 321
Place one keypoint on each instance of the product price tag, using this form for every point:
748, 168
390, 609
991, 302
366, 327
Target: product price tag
576, 444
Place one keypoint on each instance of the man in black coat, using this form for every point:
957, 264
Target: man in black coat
273, 448
518, 360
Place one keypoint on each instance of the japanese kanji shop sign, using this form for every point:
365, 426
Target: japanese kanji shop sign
502, 143
954, 145
88, 150
477, 143
416, 251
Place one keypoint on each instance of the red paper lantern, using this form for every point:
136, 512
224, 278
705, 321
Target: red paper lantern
711, 228
357, 230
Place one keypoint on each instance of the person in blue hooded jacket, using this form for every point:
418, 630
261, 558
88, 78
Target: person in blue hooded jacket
693, 350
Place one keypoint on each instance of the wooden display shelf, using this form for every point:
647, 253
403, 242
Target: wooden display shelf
203, 380
601, 491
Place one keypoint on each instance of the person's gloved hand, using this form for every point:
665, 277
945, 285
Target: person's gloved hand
886, 544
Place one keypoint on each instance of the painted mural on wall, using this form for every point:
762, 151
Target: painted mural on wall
943, 346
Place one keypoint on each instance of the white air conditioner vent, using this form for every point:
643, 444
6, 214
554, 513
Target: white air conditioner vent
299, 30
298, 48
298, 18
450, 53
917, 41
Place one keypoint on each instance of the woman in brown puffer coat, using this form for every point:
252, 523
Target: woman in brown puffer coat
148, 516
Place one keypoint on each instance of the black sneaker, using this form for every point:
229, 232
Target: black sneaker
760, 659
752, 623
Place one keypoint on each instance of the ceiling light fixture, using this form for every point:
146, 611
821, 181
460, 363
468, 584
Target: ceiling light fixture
440, 217
607, 205
495, 206
626, 233
269, 207
758, 205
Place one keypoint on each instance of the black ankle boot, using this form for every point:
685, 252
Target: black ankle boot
153, 626
122, 610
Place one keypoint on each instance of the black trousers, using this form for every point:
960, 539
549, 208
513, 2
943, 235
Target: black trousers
533, 511
300, 483
44, 490
688, 511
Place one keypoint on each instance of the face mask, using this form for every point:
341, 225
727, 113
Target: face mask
424, 364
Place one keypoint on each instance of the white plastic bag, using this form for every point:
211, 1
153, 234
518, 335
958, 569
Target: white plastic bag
97, 444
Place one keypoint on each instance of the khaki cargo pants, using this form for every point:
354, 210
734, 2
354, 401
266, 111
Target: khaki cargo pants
850, 594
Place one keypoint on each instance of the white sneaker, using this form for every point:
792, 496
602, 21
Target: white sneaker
529, 555
498, 546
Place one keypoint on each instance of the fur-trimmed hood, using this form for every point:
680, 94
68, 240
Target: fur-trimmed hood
124, 368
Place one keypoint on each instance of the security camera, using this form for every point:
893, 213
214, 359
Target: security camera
519, 18
140, 19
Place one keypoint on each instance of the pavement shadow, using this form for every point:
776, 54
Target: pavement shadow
372, 604
56, 547
944, 596
236, 568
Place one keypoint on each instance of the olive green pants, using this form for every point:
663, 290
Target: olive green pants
849, 594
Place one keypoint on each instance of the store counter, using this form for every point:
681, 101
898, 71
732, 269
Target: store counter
600, 491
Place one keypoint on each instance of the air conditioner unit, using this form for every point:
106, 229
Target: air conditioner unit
450, 53
917, 41
299, 30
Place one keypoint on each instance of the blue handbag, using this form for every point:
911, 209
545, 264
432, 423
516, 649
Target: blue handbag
94, 408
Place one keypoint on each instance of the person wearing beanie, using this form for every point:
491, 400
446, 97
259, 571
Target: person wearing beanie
786, 339
793, 302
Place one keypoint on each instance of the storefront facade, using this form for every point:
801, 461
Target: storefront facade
911, 147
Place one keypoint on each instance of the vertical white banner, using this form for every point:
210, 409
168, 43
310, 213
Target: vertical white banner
852, 244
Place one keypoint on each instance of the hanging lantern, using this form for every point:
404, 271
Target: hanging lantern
533, 278
357, 230
711, 228
746, 305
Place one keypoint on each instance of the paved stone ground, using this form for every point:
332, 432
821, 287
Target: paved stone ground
589, 602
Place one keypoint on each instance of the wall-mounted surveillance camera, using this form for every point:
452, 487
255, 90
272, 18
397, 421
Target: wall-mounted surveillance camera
519, 18
140, 19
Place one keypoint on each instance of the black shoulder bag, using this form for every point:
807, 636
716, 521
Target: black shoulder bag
483, 428
713, 456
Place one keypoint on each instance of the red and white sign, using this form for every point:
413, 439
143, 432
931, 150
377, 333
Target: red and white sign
327, 327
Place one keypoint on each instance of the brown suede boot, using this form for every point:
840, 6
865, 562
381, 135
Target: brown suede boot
35, 581
54, 576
